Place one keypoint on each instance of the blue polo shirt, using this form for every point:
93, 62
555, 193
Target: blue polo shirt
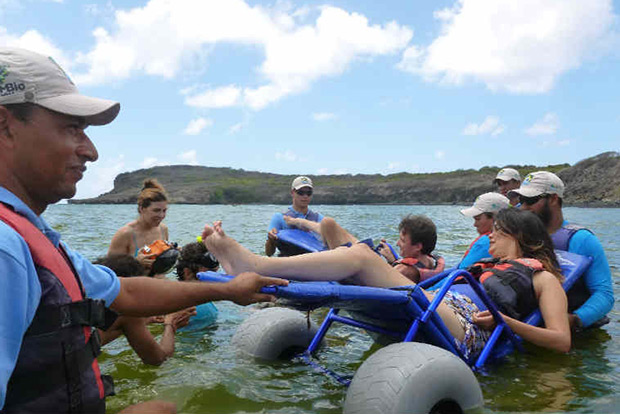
478, 251
20, 290
277, 221
597, 278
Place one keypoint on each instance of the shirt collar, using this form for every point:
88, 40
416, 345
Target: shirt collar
20, 207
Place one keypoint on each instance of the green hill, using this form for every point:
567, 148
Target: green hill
594, 181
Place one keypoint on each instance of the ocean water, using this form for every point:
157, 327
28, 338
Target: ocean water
206, 376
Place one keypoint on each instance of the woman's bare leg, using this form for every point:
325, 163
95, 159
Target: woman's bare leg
358, 264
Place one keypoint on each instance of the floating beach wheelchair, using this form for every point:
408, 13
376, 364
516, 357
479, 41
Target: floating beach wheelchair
422, 372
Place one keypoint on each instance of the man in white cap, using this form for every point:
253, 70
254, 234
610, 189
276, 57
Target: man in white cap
51, 297
591, 298
483, 212
301, 193
508, 179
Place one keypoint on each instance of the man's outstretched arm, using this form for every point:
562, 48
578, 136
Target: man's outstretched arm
145, 296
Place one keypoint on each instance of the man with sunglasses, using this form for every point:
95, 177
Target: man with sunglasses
591, 298
301, 193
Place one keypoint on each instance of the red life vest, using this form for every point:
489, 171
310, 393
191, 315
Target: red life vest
56, 369
509, 284
425, 273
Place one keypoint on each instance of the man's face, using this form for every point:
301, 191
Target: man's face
406, 248
483, 223
302, 197
505, 186
538, 205
50, 153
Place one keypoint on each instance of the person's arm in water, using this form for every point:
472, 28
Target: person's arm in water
552, 303
145, 296
141, 339
597, 279
276, 223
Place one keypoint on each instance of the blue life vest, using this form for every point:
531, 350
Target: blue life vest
578, 294
311, 215
56, 369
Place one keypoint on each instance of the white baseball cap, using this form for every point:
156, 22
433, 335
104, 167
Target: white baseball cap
540, 182
27, 76
300, 182
487, 203
507, 174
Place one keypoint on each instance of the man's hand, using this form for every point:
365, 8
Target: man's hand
181, 318
272, 234
385, 251
245, 288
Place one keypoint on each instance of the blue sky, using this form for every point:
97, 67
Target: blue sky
309, 87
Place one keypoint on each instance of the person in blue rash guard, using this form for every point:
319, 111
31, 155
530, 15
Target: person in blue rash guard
483, 212
51, 297
592, 297
301, 193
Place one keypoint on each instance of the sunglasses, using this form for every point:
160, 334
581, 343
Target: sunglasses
531, 200
304, 192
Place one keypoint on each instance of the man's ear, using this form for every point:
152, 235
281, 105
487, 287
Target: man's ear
553, 199
6, 121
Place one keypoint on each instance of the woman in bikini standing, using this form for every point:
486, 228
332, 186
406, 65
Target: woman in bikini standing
148, 227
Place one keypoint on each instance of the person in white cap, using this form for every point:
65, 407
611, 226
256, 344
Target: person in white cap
508, 179
483, 212
301, 194
51, 297
592, 297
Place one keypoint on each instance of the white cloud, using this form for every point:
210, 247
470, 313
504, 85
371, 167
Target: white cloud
490, 125
393, 165
323, 116
164, 37
322, 171
188, 157
440, 155
222, 97
149, 162
546, 126
35, 41
515, 46
196, 126
288, 156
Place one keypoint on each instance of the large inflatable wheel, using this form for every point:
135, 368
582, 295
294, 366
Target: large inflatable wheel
273, 332
413, 378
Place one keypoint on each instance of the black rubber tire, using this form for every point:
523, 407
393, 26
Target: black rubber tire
413, 378
270, 333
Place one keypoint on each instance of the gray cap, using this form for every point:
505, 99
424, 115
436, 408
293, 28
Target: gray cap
487, 203
300, 182
27, 76
507, 174
540, 182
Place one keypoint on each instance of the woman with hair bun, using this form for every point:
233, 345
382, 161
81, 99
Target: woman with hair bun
147, 228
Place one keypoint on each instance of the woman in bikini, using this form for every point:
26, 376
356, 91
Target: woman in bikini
148, 227
516, 235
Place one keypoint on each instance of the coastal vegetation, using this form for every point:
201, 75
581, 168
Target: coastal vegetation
594, 181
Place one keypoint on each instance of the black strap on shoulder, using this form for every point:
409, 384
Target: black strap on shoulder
87, 312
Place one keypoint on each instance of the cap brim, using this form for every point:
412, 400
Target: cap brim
471, 211
95, 111
525, 192
302, 186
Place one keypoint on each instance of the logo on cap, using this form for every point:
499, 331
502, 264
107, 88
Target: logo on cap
3, 74
528, 179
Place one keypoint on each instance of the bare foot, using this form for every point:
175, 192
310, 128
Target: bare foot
233, 257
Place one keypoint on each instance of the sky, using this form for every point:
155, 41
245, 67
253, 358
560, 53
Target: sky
335, 87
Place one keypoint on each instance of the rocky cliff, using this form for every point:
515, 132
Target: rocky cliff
593, 181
